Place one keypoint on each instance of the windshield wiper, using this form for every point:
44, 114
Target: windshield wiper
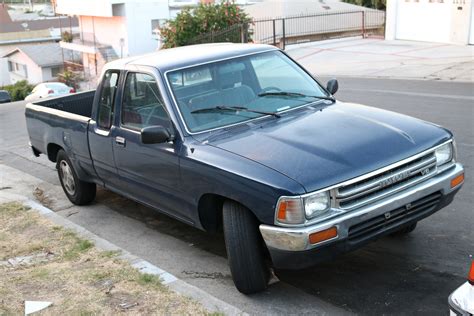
220, 108
295, 94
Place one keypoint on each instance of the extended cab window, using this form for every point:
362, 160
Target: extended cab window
188, 78
142, 103
107, 99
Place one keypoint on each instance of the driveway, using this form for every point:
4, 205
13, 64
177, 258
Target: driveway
412, 274
379, 58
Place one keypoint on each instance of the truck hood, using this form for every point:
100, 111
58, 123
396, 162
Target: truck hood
319, 147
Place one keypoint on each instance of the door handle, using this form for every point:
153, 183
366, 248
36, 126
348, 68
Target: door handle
120, 141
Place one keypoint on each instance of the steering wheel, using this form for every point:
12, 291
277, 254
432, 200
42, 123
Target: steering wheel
270, 88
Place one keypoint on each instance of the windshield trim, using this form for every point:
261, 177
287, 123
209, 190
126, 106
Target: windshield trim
170, 90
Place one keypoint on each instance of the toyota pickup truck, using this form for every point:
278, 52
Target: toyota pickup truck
240, 137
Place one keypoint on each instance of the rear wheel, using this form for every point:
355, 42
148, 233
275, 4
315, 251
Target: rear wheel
77, 191
245, 250
405, 230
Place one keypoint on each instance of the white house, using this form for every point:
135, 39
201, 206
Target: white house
34, 63
111, 29
443, 21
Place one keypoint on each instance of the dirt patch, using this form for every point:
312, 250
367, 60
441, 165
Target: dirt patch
77, 277
42, 197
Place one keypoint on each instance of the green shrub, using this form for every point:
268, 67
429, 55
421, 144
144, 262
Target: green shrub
19, 90
375, 4
204, 18
66, 37
70, 78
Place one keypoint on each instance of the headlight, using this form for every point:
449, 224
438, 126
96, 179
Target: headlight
444, 154
316, 204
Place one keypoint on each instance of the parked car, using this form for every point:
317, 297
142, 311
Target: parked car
5, 96
461, 301
49, 89
243, 138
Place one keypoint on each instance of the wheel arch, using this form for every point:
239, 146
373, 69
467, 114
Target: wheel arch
210, 210
52, 150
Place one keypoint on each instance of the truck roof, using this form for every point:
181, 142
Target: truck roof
173, 58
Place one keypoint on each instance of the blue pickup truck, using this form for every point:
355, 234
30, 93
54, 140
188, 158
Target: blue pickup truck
241, 138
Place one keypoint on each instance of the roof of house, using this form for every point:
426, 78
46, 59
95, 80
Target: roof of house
41, 54
7, 25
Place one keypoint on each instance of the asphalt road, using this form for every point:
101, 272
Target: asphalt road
411, 274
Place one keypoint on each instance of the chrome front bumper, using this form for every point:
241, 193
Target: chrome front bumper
297, 238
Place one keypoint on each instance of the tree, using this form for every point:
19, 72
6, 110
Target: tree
204, 18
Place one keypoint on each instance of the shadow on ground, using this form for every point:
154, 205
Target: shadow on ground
373, 280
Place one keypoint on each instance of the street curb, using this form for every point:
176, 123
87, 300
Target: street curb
209, 302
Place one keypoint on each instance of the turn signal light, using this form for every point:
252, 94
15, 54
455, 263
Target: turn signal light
290, 211
457, 181
323, 235
470, 277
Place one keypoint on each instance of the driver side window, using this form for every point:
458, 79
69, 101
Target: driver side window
142, 103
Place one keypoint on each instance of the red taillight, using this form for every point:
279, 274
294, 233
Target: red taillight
470, 277
72, 90
50, 91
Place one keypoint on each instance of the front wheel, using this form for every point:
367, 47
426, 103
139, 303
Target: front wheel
245, 250
77, 191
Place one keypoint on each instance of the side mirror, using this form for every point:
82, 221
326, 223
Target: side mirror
155, 135
332, 86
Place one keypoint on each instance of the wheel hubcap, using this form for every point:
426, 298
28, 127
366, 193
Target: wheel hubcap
67, 177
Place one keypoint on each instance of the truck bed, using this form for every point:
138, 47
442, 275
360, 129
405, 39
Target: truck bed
62, 122
78, 103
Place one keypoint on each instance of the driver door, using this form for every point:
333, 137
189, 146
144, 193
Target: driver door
149, 172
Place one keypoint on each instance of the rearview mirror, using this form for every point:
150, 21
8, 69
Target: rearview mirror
155, 135
332, 86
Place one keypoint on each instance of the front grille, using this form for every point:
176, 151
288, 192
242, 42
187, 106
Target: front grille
373, 226
379, 186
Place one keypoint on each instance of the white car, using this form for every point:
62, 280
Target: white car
461, 301
49, 89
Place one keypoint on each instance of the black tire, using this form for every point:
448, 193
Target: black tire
245, 251
404, 231
77, 191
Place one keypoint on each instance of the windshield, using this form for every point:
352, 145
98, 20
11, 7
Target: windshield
236, 90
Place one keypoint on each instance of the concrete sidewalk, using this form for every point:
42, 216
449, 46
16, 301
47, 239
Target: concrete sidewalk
357, 57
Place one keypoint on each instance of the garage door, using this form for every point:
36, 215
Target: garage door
424, 20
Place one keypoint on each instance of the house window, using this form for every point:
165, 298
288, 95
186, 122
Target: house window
156, 25
55, 71
17, 68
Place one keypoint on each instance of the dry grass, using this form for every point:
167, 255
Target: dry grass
78, 278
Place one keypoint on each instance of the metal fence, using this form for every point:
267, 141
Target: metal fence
304, 28
308, 28
238, 33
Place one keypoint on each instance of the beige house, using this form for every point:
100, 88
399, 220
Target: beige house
35, 63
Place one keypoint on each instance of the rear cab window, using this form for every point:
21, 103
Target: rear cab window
107, 99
